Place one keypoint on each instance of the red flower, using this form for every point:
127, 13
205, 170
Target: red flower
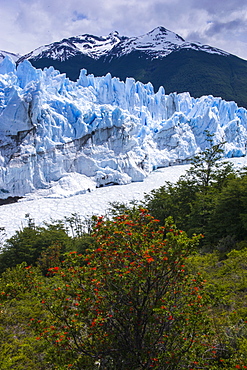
93, 323
53, 269
99, 250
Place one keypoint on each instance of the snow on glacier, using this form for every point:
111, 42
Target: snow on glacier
97, 202
41, 209
99, 131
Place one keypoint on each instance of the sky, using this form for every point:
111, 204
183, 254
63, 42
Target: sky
28, 24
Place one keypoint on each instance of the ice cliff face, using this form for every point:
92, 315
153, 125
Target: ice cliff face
100, 131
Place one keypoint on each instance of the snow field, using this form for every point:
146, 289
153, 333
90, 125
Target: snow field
12, 216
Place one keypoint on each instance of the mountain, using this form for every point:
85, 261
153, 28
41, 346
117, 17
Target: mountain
158, 43
59, 137
160, 57
3, 54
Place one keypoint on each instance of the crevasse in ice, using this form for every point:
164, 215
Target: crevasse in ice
100, 130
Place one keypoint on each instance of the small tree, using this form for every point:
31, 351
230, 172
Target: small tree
132, 306
27, 245
192, 200
206, 166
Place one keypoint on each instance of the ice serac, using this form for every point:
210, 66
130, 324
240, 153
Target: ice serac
59, 137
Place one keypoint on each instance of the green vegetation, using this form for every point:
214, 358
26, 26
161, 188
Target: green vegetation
210, 199
133, 291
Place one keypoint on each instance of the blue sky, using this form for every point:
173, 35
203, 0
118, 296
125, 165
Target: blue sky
28, 24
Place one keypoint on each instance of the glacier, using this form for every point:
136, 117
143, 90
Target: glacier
43, 210
59, 137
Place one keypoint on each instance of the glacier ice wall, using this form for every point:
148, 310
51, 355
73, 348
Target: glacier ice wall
100, 129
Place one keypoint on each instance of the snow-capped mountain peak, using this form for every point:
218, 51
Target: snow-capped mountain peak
157, 43
3, 54
160, 42
161, 34
89, 45
95, 46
